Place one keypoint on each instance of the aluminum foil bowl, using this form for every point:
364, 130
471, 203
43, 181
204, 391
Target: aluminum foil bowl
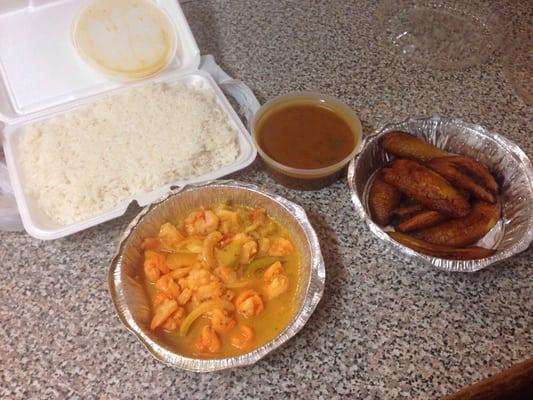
125, 277
510, 165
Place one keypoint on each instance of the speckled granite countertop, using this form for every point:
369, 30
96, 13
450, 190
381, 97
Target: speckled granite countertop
386, 327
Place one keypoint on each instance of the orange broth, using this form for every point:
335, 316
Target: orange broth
276, 312
305, 136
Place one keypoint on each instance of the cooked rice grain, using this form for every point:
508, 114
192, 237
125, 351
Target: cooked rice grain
88, 160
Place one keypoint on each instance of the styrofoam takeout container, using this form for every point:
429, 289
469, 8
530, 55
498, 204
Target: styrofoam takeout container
42, 76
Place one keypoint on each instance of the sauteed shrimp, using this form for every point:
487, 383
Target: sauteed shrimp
222, 281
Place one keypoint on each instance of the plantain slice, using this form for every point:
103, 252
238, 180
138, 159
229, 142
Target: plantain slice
426, 186
382, 199
441, 251
405, 145
461, 232
477, 170
407, 210
421, 220
448, 169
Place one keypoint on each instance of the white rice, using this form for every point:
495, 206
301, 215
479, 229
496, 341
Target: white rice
87, 160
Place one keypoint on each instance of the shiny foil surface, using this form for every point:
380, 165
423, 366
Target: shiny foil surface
508, 163
125, 277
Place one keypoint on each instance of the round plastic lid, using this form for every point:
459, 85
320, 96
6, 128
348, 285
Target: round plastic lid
518, 62
444, 34
125, 39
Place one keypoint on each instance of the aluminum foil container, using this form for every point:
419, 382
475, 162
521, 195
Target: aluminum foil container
126, 282
510, 165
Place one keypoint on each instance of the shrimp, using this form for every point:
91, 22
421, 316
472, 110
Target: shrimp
163, 312
280, 247
218, 269
182, 282
174, 321
154, 265
221, 320
249, 303
212, 290
243, 338
190, 222
167, 287
159, 298
249, 250
208, 341
272, 271
198, 277
185, 296
208, 249
201, 222
169, 235
180, 272
151, 271
276, 287
227, 274
275, 282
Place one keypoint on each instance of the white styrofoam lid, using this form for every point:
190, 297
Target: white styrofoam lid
39, 66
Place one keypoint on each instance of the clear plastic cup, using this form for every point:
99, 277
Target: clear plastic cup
300, 178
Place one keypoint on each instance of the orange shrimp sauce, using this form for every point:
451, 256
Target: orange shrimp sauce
245, 225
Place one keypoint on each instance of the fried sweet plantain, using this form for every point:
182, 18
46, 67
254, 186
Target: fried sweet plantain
476, 170
426, 186
441, 251
464, 231
405, 211
420, 220
449, 170
382, 199
405, 145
